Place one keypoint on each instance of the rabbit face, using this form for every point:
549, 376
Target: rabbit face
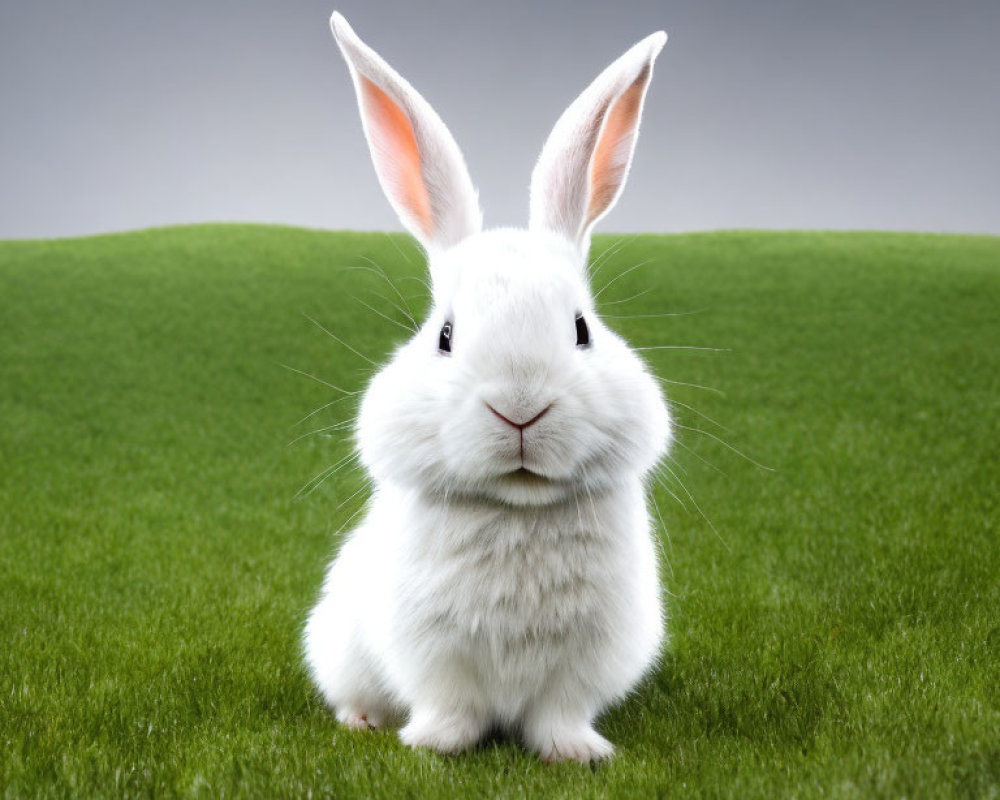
514, 390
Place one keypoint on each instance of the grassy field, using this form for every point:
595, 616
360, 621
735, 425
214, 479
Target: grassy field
835, 628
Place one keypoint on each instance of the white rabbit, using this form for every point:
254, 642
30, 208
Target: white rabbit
505, 575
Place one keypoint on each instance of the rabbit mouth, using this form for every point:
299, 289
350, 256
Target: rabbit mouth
524, 487
525, 475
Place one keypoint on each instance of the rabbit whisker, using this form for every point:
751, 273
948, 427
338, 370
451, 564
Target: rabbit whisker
661, 480
694, 502
339, 340
628, 299
349, 520
366, 485
692, 385
701, 458
316, 481
705, 417
683, 347
395, 244
318, 380
385, 276
380, 273
395, 305
663, 542
621, 275
611, 250
677, 464
337, 427
323, 408
384, 316
655, 316
726, 444
423, 282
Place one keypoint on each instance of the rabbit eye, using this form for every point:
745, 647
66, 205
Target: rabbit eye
582, 332
444, 340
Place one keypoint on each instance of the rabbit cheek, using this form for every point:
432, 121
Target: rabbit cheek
474, 452
553, 450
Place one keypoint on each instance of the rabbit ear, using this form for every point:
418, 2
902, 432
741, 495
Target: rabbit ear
420, 167
585, 161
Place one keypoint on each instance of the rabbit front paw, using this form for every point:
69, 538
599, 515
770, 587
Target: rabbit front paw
445, 733
558, 743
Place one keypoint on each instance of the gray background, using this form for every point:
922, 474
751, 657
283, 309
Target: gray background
119, 114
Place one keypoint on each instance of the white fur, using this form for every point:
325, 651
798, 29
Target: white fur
473, 596
560, 186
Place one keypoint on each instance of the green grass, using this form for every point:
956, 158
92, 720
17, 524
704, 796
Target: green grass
839, 637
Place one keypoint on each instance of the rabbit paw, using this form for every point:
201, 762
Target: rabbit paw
581, 744
446, 734
359, 720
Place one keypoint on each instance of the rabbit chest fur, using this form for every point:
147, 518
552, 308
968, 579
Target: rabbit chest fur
498, 609
518, 596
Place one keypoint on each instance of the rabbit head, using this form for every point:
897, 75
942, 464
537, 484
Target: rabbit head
513, 390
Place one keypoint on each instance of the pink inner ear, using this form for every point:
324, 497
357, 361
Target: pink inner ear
396, 155
611, 156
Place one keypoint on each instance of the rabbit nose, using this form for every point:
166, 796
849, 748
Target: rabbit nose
520, 425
